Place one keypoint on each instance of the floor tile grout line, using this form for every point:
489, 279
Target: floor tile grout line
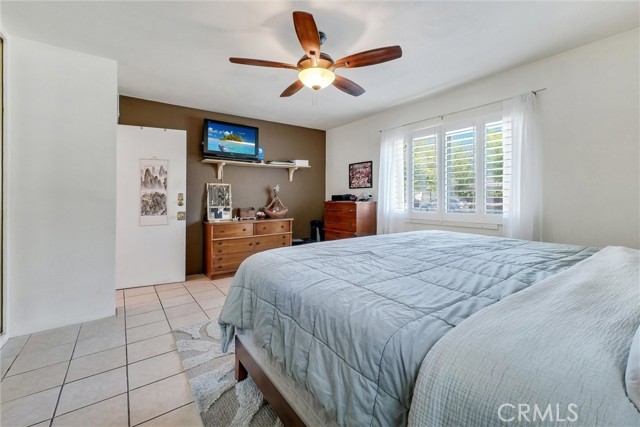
91, 404
161, 379
92, 354
31, 394
126, 360
65, 382
165, 413
197, 302
41, 367
146, 324
9, 368
55, 409
16, 358
150, 357
157, 381
77, 340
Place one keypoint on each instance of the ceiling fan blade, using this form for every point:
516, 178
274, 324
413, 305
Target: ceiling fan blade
369, 57
348, 86
296, 86
262, 63
308, 35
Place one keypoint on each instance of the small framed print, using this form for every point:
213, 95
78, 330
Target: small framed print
361, 175
219, 202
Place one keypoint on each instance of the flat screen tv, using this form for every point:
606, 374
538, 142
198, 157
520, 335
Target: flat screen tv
230, 141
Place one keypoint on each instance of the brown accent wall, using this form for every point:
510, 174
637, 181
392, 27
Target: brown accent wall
249, 186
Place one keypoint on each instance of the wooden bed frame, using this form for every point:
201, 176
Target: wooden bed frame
245, 365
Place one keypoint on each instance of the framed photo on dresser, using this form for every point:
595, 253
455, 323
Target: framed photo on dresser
219, 202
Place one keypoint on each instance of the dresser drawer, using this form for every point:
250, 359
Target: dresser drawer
271, 242
219, 247
341, 225
231, 230
272, 227
220, 262
337, 235
240, 245
341, 216
236, 259
340, 206
229, 261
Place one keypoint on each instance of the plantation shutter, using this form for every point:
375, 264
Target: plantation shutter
400, 175
460, 179
424, 192
497, 171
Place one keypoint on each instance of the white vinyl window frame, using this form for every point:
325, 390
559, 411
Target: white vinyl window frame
441, 216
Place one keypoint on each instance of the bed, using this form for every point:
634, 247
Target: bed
348, 323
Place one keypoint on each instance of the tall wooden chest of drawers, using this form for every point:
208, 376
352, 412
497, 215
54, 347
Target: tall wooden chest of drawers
227, 244
343, 220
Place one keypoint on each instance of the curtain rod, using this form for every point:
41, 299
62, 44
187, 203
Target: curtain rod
535, 92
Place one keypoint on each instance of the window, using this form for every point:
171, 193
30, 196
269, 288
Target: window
455, 172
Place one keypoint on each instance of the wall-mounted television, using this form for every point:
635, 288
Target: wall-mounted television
224, 140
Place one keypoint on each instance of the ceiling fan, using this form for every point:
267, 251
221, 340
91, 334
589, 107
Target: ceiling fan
316, 69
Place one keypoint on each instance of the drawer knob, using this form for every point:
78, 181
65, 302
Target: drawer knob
257, 243
244, 229
250, 244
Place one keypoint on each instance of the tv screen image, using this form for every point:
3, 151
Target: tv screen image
228, 140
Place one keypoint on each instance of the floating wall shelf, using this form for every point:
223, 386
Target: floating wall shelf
220, 164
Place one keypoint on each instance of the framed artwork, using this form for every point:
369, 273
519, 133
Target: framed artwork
219, 202
361, 175
153, 191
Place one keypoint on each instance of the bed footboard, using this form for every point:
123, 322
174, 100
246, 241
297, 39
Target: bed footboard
245, 365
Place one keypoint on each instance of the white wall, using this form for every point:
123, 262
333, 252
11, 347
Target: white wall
61, 187
589, 127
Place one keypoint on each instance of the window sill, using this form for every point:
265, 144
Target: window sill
460, 224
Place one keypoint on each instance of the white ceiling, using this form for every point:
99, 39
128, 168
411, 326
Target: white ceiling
177, 52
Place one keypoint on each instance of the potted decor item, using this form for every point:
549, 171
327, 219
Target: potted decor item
276, 209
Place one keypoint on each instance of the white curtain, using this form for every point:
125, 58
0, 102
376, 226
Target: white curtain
523, 195
391, 190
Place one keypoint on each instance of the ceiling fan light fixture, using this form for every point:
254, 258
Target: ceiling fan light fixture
316, 77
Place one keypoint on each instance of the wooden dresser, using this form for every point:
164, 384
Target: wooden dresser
227, 244
343, 220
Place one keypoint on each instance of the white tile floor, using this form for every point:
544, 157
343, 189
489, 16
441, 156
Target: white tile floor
119, 371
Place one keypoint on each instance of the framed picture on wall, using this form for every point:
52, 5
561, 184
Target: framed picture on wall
153, 191
361, 175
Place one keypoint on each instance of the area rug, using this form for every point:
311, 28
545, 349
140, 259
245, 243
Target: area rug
220, 399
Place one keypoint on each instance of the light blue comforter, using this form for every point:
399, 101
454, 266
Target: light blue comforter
352, 320
557, 354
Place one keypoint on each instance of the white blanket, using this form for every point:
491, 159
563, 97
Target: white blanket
552, 354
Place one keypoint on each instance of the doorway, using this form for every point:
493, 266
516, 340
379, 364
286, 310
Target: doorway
151, 182
1, 186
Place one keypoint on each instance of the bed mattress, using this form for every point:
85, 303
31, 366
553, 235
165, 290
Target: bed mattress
352, 320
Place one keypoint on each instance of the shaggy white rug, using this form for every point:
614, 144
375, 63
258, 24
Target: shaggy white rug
220, 399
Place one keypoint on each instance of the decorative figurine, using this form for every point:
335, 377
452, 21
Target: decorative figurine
276, 209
